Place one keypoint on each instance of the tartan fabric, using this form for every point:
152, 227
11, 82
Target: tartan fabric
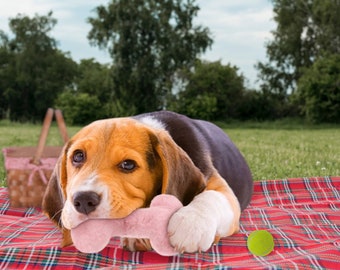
302, 214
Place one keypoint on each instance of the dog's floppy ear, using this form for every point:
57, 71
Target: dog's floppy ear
53, 200
180, 177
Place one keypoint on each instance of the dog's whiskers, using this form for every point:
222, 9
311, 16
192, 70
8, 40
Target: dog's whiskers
59, 223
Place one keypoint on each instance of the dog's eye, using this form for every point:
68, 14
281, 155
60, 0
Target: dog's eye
78, 158
127, 165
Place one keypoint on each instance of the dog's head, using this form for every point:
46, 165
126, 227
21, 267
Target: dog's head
112, 167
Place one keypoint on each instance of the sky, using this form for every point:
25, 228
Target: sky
240, 29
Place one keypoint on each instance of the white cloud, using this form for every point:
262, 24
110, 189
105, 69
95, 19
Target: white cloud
11, 8
239, 28
71, 30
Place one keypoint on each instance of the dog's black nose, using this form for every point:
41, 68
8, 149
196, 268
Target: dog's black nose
86, 201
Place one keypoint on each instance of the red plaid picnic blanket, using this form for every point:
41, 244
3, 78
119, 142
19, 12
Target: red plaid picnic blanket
302, 214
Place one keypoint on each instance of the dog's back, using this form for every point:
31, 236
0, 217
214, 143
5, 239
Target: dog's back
201, 139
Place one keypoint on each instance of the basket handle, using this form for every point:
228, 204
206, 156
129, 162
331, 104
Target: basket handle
43, 136
45, 129
61, 125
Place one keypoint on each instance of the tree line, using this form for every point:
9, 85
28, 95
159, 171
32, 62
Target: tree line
155, 49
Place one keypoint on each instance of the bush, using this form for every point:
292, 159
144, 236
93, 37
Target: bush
80, 109
212, 91
319, 90
202, 107
265, 105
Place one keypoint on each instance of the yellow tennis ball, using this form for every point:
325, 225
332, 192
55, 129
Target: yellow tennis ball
260, 243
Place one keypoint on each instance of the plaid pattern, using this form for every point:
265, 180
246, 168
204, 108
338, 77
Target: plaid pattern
302, 214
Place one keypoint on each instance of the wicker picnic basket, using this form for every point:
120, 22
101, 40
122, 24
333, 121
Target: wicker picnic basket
28, 169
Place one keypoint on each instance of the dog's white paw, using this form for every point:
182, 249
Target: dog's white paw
208, 217
191, 231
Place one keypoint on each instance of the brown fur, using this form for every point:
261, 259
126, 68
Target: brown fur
190, 156
163, 167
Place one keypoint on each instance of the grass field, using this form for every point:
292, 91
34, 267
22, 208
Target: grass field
273, 150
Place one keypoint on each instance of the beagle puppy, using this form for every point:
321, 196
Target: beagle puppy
112, 167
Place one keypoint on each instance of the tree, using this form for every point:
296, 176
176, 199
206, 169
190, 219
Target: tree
148, 42
306, 30
319, 90
212, 91
94, 79
6, 75
39, 70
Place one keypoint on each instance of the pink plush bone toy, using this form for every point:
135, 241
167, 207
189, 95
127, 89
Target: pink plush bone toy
94, 234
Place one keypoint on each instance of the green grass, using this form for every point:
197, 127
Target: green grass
274, 150
278, 153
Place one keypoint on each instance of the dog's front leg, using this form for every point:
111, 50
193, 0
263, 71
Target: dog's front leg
211, 215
